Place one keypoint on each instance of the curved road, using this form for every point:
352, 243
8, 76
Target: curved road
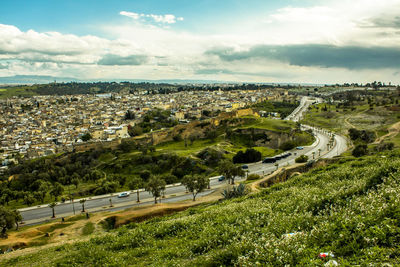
177, 192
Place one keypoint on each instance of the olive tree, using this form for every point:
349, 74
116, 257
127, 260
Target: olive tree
135, 184
230, 170
195, 184
155, 186
8, 218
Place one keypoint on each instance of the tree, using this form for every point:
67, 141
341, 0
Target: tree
127, 146
301, 159
135, 130
212, 135
230, 171
57, 190
129, 115
82, 201
156, 187
195, 184
75, 182
251, 155
52, 206
135, 184
8, 218
360, 150
17, 218
86, 137
192, 138
29, 199
145, 175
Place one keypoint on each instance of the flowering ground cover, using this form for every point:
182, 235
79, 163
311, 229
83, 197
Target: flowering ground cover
348, 211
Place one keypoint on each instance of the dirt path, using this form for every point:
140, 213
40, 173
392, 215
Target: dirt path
346, 120
392, 132
255, 186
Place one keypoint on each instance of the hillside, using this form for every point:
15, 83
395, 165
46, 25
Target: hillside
105, 170
349, 208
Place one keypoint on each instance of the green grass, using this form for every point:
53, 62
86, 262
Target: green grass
179, 148
88, 228
396, 140
267, 152
57, 226
106, 157
17, 91
349, 208
361, 117
269, 124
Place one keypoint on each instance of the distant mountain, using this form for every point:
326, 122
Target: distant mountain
32, 79
39, 79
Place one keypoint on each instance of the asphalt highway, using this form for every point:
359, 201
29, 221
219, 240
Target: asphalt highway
177, 192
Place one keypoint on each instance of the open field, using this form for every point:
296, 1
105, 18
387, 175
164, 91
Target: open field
20, 91
360, 117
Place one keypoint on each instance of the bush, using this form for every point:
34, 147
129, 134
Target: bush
360, 150
177, 138
361, 135
384, 146
288, 145
251, 155
88, 228
253, 177
236, 191
301, 159
210, 156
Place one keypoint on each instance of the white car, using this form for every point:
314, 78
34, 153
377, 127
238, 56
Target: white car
124, 194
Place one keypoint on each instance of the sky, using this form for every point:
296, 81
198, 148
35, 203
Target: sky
300, 41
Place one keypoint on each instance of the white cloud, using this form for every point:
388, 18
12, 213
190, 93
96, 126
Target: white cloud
168, 18
150, 49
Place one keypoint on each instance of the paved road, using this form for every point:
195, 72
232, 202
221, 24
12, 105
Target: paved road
176, 192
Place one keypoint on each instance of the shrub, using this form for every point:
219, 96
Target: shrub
288, 145
253, 177
88, 228
361, 135
251, 155
236, 191
360, 150
384, 146
301, 159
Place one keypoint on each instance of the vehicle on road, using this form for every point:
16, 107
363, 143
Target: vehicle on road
124, 194
221, 178
245, 167
269, 160
299, 148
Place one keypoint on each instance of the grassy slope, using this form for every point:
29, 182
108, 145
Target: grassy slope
378, 119
17, 91
349, 208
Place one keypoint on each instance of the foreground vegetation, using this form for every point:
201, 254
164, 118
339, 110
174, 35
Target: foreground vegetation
349, 208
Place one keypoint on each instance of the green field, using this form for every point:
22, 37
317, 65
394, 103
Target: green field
20, 91
361, 117
275, 125
349, 208
180, 149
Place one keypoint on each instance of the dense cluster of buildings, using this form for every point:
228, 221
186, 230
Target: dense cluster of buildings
43, 125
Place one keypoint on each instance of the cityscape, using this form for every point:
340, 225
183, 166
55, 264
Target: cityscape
199, 133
